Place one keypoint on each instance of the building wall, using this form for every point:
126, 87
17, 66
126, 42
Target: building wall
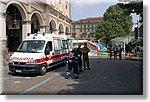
85, 28
47, 11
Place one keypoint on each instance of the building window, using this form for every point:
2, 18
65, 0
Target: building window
66, 5
92, 25
59, 1
84, 29
80, 30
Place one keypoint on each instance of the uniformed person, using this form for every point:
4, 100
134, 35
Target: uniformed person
79, 58
85, 51
73, 62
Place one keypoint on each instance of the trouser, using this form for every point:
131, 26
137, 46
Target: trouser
110, 55
80, 63
86, 62
73, 66
115, 55
120, 56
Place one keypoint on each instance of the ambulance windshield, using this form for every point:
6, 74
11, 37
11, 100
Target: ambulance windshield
31, 46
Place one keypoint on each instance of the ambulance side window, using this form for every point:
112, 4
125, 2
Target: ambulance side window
64, 44
49, 46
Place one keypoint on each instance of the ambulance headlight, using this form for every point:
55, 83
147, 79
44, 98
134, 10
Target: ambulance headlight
31, 62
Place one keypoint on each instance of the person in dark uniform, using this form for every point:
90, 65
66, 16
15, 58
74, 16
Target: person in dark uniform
73, 62
79, 58
120, 52
86, 50
115, 52
110, 51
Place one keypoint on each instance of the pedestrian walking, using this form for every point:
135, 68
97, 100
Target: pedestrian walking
80, 58
86, 50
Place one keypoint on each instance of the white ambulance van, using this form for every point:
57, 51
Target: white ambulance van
38, 52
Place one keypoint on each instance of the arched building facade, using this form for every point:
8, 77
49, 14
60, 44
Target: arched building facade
19, 17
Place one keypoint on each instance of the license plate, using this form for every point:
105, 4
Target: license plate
18, 71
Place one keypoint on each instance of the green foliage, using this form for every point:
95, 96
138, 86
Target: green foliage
115, 23
133, 7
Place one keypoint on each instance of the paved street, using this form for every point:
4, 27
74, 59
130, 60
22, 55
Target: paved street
106, 77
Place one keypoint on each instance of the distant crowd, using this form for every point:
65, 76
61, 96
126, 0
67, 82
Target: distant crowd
116, 51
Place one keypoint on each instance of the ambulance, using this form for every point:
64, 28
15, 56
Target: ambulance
38, 52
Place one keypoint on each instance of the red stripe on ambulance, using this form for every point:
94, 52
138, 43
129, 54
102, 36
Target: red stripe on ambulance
51, 58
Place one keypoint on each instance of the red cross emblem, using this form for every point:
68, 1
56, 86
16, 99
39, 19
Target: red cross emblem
71, 55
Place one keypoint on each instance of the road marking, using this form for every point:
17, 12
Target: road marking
39, 84
17, 82
16, 78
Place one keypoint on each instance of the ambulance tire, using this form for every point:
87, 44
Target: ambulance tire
43, 69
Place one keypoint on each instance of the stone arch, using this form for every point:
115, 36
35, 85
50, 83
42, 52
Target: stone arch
52, 25
36, 21
67, 30
39, 15
15, 14
20, 8
61, 28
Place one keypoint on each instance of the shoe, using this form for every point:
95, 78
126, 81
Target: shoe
81, 70
89, 68
67, 73
76, 77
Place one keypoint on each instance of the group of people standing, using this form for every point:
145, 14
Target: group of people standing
117, 50
75, 60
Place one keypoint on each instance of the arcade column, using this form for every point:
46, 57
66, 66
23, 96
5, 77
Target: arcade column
2, 21
2, 39
26, 28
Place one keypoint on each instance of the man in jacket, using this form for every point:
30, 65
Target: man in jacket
73, 62
86, 50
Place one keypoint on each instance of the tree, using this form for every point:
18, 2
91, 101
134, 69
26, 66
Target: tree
115, 23
132, 6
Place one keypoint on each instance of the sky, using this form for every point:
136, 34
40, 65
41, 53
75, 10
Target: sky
81, 9
89, 8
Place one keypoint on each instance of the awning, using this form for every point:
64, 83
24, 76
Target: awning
121, 41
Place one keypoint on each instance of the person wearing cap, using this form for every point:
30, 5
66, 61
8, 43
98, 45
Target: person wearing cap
85, 51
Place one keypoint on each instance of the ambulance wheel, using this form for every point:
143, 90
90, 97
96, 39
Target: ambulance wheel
43, 69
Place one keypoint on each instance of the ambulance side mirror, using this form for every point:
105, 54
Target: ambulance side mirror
46, 52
